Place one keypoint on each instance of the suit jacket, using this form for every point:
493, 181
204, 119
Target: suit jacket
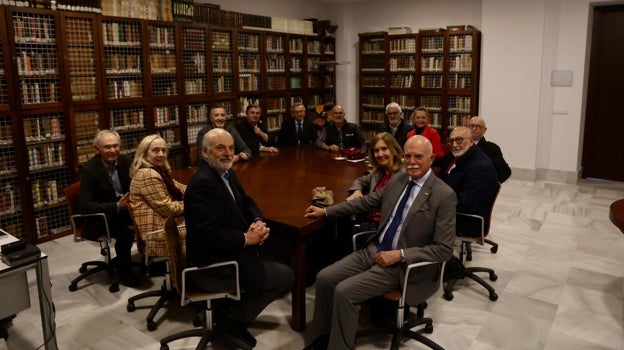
288, 133
151, 205
474, 181
97, 195
253, 141
215, 224
496, 156
239, 143
366, 183
427, 234
400, 134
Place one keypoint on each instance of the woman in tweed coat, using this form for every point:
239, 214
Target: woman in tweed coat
154, 194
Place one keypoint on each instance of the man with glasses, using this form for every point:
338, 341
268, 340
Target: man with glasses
477, 128
470, 174
395, 125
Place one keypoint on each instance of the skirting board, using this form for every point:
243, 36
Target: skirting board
569, 177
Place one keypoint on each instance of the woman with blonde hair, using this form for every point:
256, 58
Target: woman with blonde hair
385, 157
154, 194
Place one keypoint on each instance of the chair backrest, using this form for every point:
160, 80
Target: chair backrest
177, 261
473, 225
72, 193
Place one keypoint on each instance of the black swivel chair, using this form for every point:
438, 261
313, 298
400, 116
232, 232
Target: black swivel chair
483, 227
71, 194
188, 294
404, 322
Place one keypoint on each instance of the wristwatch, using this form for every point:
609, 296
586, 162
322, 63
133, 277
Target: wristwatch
403, 258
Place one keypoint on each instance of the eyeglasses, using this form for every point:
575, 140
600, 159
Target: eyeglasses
475, 126
392, 113
457, 140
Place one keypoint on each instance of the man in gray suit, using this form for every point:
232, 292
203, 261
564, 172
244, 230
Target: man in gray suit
424, 230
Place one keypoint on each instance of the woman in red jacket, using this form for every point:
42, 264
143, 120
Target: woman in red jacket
421, 127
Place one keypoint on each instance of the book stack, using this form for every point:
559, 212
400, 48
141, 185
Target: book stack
182, 10
206, 13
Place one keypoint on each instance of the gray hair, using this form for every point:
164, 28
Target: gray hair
96, 140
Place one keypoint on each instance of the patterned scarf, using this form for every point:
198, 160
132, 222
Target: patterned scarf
173, 191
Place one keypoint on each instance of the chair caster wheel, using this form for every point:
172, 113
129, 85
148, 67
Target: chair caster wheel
494, 250
73, 287
113, 288
448, 296
428, 328
130, 307
493, 277
82, 269
468, 257
493, 296
151, 326
164, 347
197, 322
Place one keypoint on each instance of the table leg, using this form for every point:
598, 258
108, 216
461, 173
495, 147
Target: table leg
298, 290
46, 307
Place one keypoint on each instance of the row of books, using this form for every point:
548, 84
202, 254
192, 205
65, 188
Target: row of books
402, 81
8, 200
166, 115
407, 62
6, 135
276, 82
197, 113
161, 36
46, 192
121, 33
163, 63
194, 86
125, 88
249, 42
31, 29
223, 84
248, 82
275, 105
46, 156
274, 123
127, 119
37, 63
459, 104
43, 129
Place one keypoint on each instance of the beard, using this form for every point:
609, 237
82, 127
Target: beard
459, 152
220, 165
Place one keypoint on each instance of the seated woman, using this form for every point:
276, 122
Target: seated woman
421, 127
386, 159
154, 194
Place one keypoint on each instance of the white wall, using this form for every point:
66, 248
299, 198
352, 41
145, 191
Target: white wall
539, 127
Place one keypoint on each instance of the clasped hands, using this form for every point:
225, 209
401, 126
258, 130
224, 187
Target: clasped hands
257, 233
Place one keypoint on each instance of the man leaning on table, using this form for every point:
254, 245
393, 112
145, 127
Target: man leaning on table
339, 133
423, 230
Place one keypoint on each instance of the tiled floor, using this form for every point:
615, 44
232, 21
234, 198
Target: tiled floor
560, 266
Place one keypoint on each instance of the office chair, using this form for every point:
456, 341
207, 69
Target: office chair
483, 225
188, 294
164, 293
71, 193
402, 328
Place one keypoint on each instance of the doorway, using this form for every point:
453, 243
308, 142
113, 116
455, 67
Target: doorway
603, 141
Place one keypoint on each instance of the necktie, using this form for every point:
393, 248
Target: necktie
299, 132
114, 175
388, 238
226, 180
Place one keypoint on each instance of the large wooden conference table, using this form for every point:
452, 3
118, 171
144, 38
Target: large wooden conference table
281, 184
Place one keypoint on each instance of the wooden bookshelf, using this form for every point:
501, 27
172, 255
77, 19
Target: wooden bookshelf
65, 75
437, 69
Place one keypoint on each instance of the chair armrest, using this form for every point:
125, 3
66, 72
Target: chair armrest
478, 219
416, 265
224, 294
82, 216
149, 236
361, 237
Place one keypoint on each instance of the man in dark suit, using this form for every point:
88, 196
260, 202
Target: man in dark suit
298, 130
339, 133
223, 223
423, 230
473, 178
254, 133
104, 184
477, 129
396, 125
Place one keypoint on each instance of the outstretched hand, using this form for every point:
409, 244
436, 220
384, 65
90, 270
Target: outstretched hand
313, 212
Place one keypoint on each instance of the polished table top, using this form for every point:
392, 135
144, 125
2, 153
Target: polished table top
281, 183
